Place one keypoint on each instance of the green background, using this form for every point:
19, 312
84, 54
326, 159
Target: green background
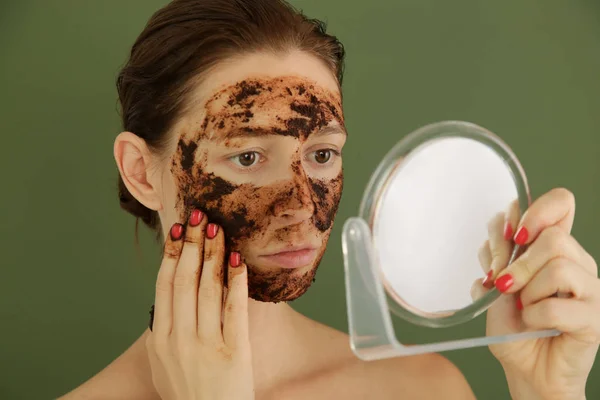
75, 290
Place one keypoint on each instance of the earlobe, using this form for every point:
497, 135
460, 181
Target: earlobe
133, 159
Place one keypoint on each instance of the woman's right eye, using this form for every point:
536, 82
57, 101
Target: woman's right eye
247, 159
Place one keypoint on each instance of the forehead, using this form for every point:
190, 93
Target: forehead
296, 64
261, 90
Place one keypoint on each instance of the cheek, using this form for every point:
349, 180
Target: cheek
223, 202
244, 211
327, 196
169, 190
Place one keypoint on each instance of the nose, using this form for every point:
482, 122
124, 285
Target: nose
295, 204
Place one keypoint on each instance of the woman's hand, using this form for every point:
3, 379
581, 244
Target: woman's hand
554, 262
198, 347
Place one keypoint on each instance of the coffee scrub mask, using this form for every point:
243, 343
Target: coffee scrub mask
259, 218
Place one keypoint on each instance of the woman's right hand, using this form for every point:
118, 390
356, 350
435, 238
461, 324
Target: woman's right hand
199, 347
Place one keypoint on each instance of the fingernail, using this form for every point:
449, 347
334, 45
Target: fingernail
235, 259
196, 217
508, 231
487, 282
519, 303
211, 230
504, 282
176, 231
521, 236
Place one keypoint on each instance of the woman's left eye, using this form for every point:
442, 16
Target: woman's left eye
247, 159
323, 156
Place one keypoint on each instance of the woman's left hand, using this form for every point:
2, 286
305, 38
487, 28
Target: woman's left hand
554, 262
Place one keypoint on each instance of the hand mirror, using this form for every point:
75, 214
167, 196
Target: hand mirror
414, 249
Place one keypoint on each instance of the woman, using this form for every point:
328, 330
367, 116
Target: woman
231, 151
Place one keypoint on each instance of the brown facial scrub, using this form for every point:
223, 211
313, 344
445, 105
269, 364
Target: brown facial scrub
254, 217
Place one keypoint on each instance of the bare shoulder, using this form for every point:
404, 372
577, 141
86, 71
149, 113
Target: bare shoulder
343, 375
127, 377
429, 376
418, 377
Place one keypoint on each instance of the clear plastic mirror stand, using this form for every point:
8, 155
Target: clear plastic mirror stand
372, 336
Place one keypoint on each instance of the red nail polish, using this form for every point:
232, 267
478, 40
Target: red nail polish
211, 230
196, 217
519, 303
521, 236
508, 231
487, 282
235, 259
176, 231
504, 282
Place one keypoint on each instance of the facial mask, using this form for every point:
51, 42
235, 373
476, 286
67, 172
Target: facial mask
253, 217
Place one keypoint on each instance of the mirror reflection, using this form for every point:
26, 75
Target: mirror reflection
438, 209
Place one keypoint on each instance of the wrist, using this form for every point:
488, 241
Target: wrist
522, 389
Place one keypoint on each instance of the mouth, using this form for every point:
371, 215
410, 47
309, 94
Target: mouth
291, 257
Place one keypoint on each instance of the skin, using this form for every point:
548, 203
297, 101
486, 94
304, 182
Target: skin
550, 262
289, 355
266, 204
553, 262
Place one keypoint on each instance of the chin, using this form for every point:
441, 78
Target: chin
273, 284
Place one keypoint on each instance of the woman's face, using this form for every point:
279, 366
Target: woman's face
259, 152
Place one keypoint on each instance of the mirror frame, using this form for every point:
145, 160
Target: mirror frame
377, 185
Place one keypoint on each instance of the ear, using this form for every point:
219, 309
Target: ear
133, 160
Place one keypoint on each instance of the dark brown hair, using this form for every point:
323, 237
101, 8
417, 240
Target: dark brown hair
184, 40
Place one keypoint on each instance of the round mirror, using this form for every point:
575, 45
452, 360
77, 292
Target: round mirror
429, 206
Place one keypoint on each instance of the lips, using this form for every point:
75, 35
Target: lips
292, 257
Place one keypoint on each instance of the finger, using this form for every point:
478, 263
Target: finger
478, 290
513, 215
560, 275
187, 275
555, 208
566, 315
485, 256
235, 314
500, 249
210, 292
163, 301
552, 243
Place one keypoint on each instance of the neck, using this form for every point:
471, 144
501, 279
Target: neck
278, 334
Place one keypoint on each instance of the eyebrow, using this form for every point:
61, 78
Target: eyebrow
257, 132
330, 130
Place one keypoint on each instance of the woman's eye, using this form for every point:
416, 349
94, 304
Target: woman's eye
247, 159
322, 156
